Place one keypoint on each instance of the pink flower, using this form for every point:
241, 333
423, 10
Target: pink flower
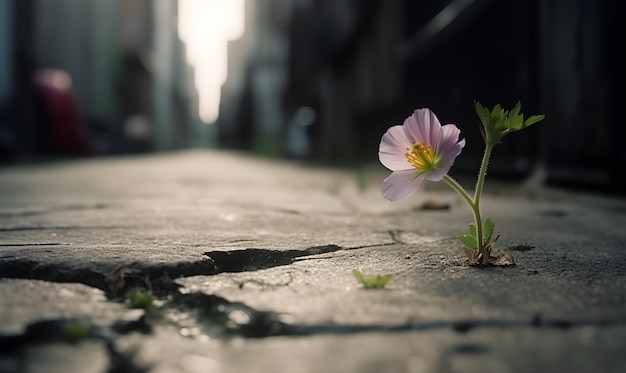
420, 149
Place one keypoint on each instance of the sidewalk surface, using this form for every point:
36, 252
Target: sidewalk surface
250, 262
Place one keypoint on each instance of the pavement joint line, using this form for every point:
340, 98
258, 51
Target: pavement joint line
74, 331
33, 244
98, 206
53, 228
460, 326
210, 311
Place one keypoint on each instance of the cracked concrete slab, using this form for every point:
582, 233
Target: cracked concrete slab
483, 350
251, 265
27, 301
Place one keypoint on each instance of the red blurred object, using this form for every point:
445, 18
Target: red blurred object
63, 129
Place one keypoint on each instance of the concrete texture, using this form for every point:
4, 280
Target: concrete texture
250, 262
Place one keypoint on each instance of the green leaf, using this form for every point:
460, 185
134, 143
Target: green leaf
498, 122
381, 281
358, 275
482, 112
138, 298
502, 126
472, 230
515, 111
76, 331
514, 119
376, 282
497, 111
516, 123
469, 241
483, 133
487, 230
533, 119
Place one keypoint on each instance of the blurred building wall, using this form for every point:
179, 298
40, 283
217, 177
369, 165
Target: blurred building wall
333, 58
164, 135
135, 83
7, 136
362, 66
20, 124
582, 74
156, 56
459, 51
360, 77
75, 36
251, 115
234, 112
129, 74
6, 47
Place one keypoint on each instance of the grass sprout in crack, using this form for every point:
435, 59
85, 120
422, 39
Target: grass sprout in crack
375, 282
140, 298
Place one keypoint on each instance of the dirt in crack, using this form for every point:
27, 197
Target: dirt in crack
255, 259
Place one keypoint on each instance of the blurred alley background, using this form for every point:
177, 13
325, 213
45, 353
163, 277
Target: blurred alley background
318, 80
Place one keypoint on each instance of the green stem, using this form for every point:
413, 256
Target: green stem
459, 189
476, 206
474, 203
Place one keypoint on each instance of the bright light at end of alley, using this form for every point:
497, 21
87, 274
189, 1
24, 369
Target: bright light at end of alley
206, 26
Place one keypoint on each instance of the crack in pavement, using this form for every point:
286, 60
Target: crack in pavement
247, 260
263, 324
31, 244
212, 314
157, 277
219, 317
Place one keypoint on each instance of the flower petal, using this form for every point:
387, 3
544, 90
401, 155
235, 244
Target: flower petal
424, 127
392, 149
401, 184
451, 152
446, 161
450, 133
439, 173
450, 147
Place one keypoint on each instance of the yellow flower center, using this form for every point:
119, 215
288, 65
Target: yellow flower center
422, 157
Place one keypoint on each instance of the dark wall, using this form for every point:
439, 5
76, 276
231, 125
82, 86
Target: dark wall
582, 69
366, 65
487, 53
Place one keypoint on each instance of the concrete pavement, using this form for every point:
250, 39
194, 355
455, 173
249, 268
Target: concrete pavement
250, 264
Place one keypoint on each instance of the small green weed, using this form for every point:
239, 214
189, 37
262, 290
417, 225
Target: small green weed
76, 331
376, 282
138, 298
